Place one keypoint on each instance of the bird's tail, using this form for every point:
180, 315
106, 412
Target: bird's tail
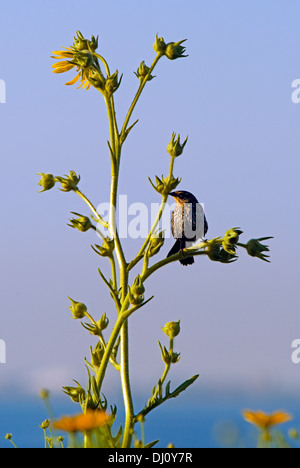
179, 245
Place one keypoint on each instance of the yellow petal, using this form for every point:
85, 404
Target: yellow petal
61, 64
74, 80
62, 54
63, 68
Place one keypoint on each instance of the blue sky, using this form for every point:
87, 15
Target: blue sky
232, 96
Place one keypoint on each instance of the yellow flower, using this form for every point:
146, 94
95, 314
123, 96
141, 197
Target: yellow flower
82, 422
66, 65
266, 421
79, 55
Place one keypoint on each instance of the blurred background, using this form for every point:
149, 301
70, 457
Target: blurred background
233, 97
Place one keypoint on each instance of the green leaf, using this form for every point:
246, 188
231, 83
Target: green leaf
151, 444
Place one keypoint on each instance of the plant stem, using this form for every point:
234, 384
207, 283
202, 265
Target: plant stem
127, 396
166, 370
139, 91
87, 201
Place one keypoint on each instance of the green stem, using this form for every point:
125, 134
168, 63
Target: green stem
139, 91
127, 395
109, 347
91, 206
155, 223
166, 370
114, 273
104, 63
166, 261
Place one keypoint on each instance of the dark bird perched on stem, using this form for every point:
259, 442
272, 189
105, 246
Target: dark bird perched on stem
188, 223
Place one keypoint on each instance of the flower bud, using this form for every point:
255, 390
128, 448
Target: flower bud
230, 240
8, 436
156, 243
174, 50
164, 354
171, 183
172, 329
83, 59
106, 249
216, 254
45, 424
97, 355
83, 223
294, 434
165, 186
143, 71
135, 299
69, 182
137, 288
77, 394
97, 79
80, 43
175, 357
159, 45
47, 181
174, 148
97, 328
138, 444
78, 309
44, 394
232, 236
103, 322
112, 83
255, 248
159, 187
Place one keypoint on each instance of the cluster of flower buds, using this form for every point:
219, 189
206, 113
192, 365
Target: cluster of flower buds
106, 249
107, 85
216, 252
83, 223
78, 309
175, 148
97, 328
156, 243
171, 50
68, 182
136, 292
171, 329
224, 249
143, 72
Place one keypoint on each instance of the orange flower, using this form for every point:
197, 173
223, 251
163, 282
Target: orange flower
82, 422
266, 421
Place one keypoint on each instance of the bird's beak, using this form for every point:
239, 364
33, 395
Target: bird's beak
172, 194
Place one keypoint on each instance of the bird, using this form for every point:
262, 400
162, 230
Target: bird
188, 223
